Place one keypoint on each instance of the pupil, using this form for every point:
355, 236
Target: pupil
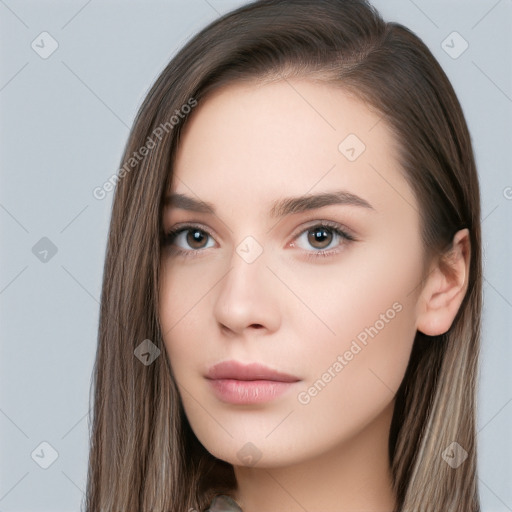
319, 235
194, 238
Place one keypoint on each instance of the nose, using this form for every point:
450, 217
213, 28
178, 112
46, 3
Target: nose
247, 297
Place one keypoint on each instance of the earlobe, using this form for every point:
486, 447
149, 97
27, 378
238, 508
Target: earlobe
445, 288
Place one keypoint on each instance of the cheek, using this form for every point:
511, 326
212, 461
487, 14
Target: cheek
180, 301
182, 293
365, 287
352, 383
186, 296
358, 333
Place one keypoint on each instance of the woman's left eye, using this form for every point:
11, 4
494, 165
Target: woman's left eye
325, 237
190, 240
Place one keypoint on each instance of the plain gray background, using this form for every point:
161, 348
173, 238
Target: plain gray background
64, 122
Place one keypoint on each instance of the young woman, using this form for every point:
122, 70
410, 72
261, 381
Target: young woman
291, 303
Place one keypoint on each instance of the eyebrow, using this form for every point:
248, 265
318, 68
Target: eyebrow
286, 206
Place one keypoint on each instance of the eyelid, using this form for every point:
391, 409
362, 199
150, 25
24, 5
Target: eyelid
297, 232
328, 224
342, 231
186, 226
189, 225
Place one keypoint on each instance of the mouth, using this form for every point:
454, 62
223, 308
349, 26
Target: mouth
236, 383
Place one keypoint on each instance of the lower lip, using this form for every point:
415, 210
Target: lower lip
243, 392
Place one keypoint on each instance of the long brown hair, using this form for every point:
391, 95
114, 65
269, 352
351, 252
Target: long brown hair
143, 453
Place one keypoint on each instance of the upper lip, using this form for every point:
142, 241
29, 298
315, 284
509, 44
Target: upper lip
253, 371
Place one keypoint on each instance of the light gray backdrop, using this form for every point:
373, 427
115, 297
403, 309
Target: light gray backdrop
73, 74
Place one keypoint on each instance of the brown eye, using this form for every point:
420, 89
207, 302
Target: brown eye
320, 237
188, 239
196, 238
323, 239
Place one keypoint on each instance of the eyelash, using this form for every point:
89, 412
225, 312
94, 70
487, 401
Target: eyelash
311, 255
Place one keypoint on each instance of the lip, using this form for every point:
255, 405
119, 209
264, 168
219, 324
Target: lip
253, 371
242, 384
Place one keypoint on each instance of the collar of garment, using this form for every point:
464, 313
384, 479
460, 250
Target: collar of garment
224, 503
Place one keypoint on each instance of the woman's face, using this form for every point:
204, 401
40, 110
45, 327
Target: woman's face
263, 276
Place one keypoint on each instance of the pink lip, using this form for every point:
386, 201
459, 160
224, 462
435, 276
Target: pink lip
253, 371
236, 383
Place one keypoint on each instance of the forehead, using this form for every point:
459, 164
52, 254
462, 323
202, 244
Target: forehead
255, 142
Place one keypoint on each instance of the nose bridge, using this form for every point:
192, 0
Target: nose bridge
246, 297
249, 250
248, 266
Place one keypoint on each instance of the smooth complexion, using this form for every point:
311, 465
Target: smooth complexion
245, 148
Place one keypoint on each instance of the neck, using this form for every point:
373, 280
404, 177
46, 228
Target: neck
353, 476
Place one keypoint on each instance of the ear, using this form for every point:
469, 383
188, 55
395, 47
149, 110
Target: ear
445, 288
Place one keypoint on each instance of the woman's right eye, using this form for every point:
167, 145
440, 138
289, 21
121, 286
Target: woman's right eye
187, 239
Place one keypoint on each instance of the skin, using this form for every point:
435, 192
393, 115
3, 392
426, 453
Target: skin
245, 147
